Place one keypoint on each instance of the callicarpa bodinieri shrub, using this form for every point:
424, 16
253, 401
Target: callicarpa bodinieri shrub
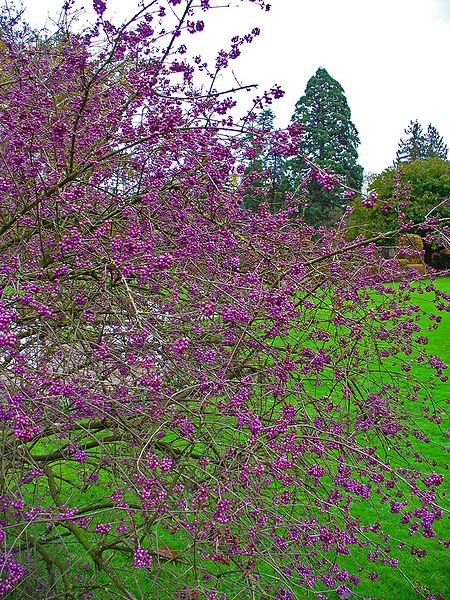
196, 401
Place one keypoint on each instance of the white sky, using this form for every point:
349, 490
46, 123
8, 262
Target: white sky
392, 58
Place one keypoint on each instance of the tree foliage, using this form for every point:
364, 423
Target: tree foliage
435, 146
419, 145
264, 177
408, 195
330, 140
195, 400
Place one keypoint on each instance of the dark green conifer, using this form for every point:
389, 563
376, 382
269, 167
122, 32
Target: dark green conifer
330, 140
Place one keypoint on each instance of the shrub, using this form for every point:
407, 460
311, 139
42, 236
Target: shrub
194, 399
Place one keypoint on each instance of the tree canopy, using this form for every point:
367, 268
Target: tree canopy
265, 178
405, 195
419, 145
330, 140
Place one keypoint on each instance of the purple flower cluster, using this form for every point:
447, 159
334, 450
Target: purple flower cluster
10, 574
370, 201
142, 558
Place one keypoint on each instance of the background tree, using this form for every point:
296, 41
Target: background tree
412, 147
435, 145
419, 145
403, 196
330, 140
264, 177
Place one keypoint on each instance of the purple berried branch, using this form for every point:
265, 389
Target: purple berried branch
195, 400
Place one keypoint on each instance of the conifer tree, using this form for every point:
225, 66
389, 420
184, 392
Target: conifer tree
412, 147
330, 140
435, 145
419, 145
265, 166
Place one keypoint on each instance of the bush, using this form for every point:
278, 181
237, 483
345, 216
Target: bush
195, 401
411, 251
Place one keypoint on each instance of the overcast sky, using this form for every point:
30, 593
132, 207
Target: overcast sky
392, 57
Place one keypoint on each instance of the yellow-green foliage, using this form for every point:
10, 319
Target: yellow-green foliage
411, 240
424, 185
